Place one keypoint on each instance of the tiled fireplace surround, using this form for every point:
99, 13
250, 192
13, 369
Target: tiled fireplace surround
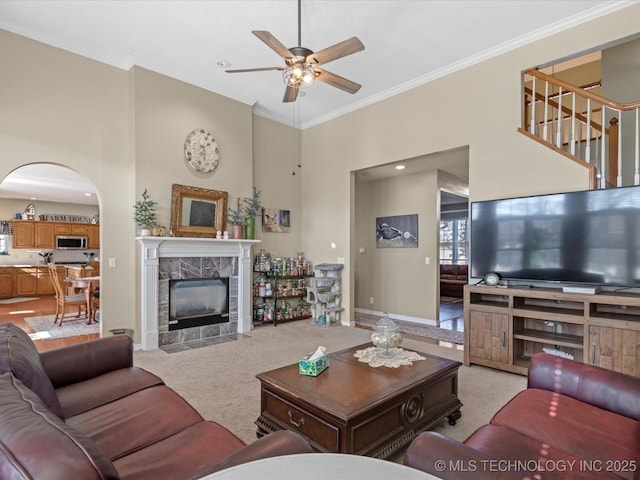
196, 267
166, 258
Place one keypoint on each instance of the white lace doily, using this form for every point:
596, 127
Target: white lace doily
398, 356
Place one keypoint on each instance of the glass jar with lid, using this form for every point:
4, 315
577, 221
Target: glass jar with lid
386, 335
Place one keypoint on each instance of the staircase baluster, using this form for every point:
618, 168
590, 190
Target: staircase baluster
587, 149
546, 110
573, 123
603, 152
560, 120
532, 125
619, 178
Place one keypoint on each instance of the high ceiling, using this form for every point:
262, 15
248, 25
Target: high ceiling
407, 43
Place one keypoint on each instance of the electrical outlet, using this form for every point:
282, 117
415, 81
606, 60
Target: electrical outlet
112, 262
371, 300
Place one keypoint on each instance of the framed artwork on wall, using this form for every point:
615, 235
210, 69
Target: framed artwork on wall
197, 212
399, 231
278, 221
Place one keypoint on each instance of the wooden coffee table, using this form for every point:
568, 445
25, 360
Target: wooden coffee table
354, 408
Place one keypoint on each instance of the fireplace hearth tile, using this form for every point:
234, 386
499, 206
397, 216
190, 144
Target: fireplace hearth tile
211, 330
189, 334
168, 338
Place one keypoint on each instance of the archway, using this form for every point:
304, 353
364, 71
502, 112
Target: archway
40, 204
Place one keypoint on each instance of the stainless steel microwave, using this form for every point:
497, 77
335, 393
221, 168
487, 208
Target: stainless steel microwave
71, 243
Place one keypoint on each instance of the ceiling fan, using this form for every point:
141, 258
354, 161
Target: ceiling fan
301, 68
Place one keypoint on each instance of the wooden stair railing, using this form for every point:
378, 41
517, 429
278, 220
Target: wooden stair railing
577, 130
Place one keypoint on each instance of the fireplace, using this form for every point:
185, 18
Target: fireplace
196, 302
178, 258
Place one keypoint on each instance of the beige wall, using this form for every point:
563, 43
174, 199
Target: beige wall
275, 159
64, 109
478, 107
396, 277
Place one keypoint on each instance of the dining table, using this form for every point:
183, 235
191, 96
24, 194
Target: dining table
88, 285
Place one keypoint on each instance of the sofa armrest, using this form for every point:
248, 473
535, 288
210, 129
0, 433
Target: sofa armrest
603, 388
80, 362
281, 442
449, 459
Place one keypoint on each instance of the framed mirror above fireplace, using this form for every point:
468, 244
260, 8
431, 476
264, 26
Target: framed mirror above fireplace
197, 212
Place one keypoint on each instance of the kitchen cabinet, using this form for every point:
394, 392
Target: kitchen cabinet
6, 282
26, 281
43, 236
93, 232
23, 234
73, 229
34, 281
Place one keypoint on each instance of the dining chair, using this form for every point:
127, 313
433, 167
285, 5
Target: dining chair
95, 304
63, 300
91, 269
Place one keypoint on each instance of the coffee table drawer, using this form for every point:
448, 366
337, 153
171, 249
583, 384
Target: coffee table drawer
299, 420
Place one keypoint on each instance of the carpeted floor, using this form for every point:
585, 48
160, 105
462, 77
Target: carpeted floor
219, 380
71, 326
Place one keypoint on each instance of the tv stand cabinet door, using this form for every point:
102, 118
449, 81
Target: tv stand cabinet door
615, 349
489, 338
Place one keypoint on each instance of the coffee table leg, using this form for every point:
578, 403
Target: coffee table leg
454, 417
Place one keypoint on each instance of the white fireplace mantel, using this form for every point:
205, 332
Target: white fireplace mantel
153, 248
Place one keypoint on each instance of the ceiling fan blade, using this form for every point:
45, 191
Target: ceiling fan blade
339, 50
239, 70
290, 94
336, 81
274, 44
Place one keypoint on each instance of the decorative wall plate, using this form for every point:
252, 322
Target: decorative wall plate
201, 151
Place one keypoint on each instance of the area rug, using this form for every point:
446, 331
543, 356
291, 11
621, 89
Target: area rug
17, 300
71, 327
417, 329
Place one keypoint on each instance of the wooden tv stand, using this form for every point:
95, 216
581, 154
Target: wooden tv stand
504, 327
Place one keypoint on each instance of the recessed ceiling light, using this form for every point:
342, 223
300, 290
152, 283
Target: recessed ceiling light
400, 167
88, 194
224, 64
33, 198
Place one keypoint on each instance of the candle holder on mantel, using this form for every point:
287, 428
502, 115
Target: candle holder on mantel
386, 335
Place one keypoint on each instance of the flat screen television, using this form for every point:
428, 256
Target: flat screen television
587, 237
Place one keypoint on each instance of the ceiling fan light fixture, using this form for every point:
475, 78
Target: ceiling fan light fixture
299, 76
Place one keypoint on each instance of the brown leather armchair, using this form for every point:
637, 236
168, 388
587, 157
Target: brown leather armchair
573, 421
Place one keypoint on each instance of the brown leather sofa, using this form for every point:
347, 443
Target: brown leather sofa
85, 412
452, 279
574, 421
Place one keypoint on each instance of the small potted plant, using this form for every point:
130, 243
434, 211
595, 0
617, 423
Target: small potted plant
236, 219
253, 209
145, 214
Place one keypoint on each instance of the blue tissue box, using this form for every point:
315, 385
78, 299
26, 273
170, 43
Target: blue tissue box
313, 368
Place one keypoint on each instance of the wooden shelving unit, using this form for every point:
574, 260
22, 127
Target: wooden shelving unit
505, 327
